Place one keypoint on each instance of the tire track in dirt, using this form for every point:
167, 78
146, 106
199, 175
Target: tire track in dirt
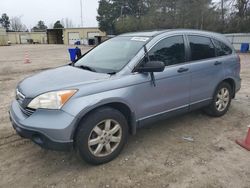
8, 136
13, 141
6, 79
6, 143
16, 72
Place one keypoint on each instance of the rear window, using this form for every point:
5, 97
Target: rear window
221, 48
201, 47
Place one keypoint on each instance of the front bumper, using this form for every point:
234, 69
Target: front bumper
49, 129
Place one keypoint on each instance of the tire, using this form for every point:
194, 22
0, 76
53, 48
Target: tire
213, 109
103, 141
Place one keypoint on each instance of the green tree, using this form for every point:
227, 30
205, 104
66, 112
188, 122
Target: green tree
40, 26
108, 12
121, 16
5, 21
112, 13
58, 24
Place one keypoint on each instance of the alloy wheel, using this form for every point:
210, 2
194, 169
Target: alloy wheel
105, 138
222, 99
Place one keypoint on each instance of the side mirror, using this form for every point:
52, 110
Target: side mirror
151, 66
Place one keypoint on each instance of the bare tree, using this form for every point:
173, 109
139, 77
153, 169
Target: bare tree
17, 25
62, 22
51, 25
67, 23
242, 6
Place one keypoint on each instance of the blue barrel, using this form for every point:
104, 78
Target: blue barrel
72, 53
244, 47
77, 42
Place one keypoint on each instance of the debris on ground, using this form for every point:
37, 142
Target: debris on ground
188, 138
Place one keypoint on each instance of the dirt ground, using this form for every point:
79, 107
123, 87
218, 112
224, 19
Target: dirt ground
157, 156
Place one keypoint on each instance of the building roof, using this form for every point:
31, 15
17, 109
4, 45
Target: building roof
74, 28
82, 28
237, 34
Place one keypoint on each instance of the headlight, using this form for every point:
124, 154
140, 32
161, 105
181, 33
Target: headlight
52, 100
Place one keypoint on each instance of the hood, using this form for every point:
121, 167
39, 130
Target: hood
66, 77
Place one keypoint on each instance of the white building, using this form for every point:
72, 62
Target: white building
238, 38
3, 37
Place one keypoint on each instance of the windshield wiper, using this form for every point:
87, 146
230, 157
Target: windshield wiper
87, 68
111, 73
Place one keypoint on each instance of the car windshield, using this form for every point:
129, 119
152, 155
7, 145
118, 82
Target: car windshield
112, 55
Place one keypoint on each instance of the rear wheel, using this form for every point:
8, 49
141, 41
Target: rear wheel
102, 135
221, 100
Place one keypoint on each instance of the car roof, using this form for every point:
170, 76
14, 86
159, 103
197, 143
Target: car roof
144, 33
158, 32
178, 31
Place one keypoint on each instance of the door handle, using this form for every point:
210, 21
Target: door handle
182, 69
217, 63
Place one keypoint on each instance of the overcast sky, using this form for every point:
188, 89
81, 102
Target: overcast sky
31, 11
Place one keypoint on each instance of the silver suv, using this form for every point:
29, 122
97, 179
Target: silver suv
123, 84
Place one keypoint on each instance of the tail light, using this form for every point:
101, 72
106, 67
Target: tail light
239, 62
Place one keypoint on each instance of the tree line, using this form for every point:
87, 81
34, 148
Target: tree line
15, 24
225, 16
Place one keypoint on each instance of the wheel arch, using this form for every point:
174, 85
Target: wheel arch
120, 106
231, 82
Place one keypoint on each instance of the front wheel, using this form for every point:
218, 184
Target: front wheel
102, 135
221, 100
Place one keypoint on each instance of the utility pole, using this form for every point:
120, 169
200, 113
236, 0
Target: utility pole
122, 13
81, 13
222, 14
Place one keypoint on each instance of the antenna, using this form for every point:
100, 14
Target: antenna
81, 13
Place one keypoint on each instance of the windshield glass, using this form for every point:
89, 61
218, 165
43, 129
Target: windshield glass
112, 55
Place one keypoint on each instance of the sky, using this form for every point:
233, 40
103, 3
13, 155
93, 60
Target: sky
31, 11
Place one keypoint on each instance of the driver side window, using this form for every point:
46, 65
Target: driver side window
170, 51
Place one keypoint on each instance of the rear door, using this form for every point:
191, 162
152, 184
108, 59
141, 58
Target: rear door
206, 69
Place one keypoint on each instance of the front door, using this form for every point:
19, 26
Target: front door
172, 86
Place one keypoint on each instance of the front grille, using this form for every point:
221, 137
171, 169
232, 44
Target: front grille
27, 111
23, 103
19, 96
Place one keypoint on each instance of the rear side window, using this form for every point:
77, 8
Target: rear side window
201, 47
170, 51
221, 48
